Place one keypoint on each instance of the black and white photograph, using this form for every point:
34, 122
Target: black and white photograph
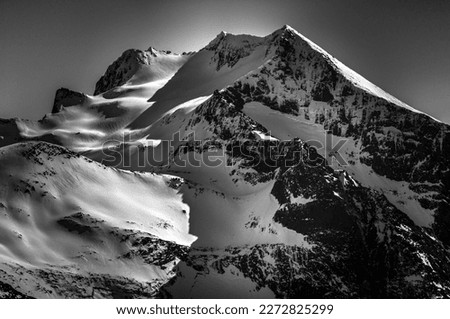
214, 150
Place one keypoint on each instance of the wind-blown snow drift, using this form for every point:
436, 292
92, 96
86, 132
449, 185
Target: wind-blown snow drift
63, 213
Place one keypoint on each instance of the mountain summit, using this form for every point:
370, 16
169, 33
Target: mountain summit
301, 178
137, 66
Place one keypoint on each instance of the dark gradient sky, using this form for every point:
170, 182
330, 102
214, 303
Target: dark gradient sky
403, 46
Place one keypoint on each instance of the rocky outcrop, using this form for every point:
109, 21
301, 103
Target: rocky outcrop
395, 141
362, 245
65, 98
121, 70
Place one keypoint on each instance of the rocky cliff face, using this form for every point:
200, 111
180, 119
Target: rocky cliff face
394, 141
361, 244
9, 132
65, 97
132, 61
119, 72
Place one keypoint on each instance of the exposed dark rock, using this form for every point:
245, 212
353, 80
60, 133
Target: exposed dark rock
121, 70
8, 292
65, 97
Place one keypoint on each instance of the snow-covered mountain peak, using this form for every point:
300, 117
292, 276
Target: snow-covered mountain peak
140, 67
284, 29
301, 42
225, 40
155, 52
152, 50
213, 44
228, 40
288, 27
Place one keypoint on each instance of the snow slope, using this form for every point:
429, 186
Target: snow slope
229, 57
287, 126
201, 75
61, 211
357, 79
103, 117
135, 67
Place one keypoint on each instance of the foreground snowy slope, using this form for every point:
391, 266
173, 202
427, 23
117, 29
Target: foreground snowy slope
65, 218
